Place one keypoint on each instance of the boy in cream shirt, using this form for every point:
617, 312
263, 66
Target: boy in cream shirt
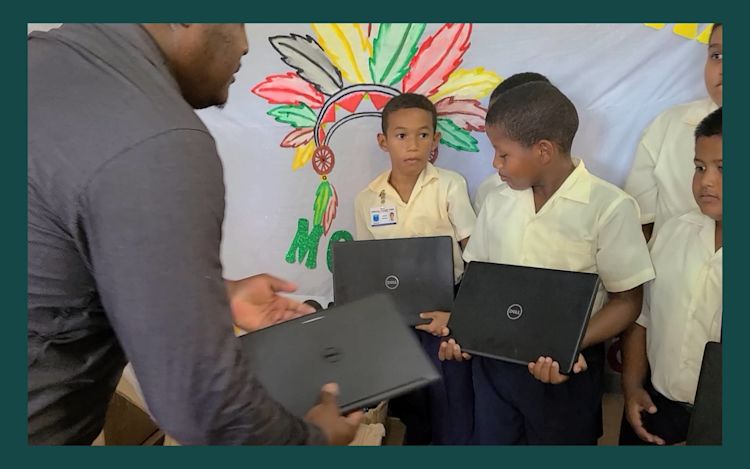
682, 308
660, 177
422, 200
552, 213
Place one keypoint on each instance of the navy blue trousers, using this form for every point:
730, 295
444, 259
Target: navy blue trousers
441, 413
512, 407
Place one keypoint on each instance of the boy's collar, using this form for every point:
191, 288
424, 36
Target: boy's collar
707, 227
381, 182
697, 113
576, 187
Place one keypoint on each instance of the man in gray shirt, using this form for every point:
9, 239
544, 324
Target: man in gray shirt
125, 211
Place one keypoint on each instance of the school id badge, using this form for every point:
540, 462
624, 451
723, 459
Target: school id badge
381, 216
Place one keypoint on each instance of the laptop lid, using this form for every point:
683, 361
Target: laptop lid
518, 314
364, 346
416, 272
706, 419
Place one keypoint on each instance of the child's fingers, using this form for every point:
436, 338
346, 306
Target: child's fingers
544, 369
645, 403
555, 376
457, 353
442, 351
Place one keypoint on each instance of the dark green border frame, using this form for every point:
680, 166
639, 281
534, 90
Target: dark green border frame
13, 426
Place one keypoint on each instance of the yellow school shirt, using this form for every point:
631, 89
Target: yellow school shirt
438, 206
661, 177
682, 307
588, 225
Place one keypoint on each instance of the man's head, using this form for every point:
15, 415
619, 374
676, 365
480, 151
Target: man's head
712, 73
530, 126
202, 57
409, 124
707, 180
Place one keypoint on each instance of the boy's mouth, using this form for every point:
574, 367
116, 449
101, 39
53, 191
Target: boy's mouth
708, 197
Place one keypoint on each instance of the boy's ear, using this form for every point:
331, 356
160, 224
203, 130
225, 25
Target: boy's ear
436, 140
546, 150
382, 142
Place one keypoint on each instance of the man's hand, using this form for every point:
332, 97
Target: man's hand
256, 304
327, 416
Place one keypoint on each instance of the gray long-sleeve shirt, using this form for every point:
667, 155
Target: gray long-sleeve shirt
125, 211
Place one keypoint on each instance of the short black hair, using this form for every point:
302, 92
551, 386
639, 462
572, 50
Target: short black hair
516, 80
535, 111
408, 101
710, 125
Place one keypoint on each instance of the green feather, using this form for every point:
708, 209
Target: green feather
392, 51
322, 195
456, 137
297, 115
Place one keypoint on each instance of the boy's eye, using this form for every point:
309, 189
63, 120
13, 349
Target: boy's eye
400, 136
717, 56
424, 135
700, 169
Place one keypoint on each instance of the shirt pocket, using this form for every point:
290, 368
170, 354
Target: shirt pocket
576, 255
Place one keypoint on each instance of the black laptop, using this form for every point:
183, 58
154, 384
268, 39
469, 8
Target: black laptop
363, 346
518, 314
416, 272
706, 419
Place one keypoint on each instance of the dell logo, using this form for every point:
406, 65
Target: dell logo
514, 311
391, 282
332, 354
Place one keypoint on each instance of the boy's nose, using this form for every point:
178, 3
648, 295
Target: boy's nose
497, 163
709, 179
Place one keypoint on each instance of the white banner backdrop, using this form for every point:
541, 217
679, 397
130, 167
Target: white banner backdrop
620, 76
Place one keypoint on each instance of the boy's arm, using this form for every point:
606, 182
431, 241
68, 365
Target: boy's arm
617, 314
624, 265
634, 358
635, 369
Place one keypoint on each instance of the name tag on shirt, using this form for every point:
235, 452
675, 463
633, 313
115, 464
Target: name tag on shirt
385, 215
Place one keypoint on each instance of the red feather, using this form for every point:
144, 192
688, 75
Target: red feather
288, 89
437, 58
465, 113
297, 137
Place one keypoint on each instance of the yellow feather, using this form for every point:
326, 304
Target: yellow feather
475, 83
687, 30
655, 25
348, 47
705, 36
303, 154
